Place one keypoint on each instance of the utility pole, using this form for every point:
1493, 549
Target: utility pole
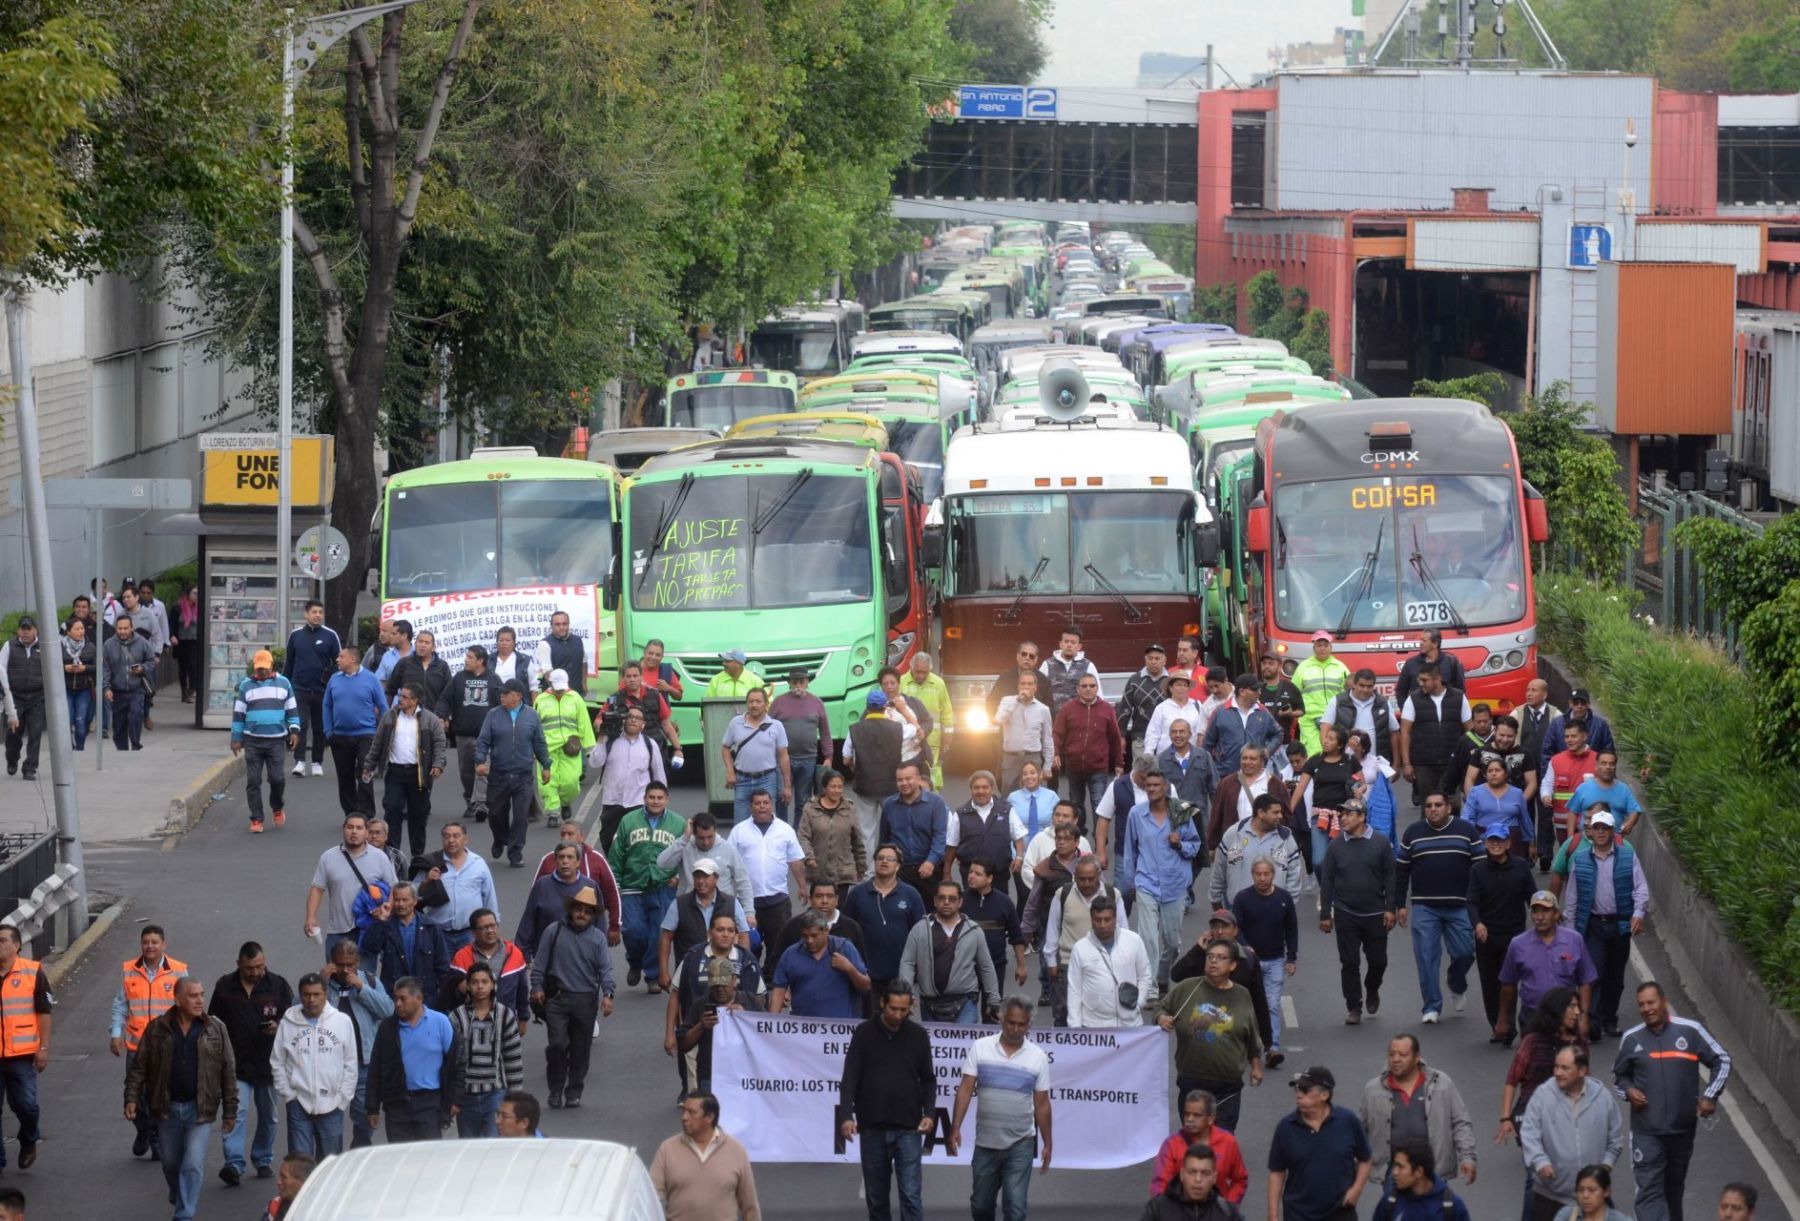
1209, 66
37, 528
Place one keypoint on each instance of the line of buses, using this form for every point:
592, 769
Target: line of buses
908, 481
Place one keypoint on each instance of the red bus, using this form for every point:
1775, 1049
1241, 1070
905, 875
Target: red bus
1378, 518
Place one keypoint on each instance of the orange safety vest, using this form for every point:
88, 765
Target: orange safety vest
19, 1034
148, 997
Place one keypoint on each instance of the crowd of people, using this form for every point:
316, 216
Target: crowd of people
859, 892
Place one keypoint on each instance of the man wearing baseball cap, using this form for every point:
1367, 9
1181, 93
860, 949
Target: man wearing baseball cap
1544, 956
1143, 692
1605, 901
1500, 886
265, 725
1319, 1156
569, 735
734, 680
1320, 678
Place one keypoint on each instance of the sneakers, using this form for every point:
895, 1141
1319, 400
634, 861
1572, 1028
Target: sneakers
318, 769
553, 820
1353, 1018
231, 1175
256, 827
299, 768
281, 818
1459, 1001
1430, 1018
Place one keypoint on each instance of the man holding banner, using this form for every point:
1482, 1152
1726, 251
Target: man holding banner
889, 1089
1013, 1077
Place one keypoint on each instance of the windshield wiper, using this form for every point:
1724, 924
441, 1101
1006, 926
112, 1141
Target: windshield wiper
1281, 535
1133, 614
1012, 612
1365, 582
760, 521
663, 521
1430, 581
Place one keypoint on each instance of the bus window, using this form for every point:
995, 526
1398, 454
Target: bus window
896, 563
441, 540
552, 530
1131, 540
719, 407
920, 444
465, 537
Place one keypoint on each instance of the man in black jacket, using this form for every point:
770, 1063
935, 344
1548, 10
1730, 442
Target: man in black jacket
1431, 653
1357, 896
406, 945
310, 661
250, 1002
1500, 887
889, 1093
422, 668
472, 692
1143, 692
420, 1098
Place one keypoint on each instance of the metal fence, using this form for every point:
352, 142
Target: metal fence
27, 859
1665, 570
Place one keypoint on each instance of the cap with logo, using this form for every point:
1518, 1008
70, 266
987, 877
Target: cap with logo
1601, 818
1543, 898
1155, 648
1322, 634
1497, 830
1316, 1077
1580, 696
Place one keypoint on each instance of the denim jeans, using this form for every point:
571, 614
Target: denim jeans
18, 1076
262, 1144
802, 773
81, 715
642, 917
769, 783
1610, 948
1002, 1174
317, 1136
889, 1154
181, 1139
480, 1114
1434, 930
264, 755
1274, 979
128, 725
1086, 791
1159, 924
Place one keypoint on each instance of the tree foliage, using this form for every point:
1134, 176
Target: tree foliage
124, 116
1578, 475
1485, 388
1215, 303
1004, 38
1686, 44
1275, 313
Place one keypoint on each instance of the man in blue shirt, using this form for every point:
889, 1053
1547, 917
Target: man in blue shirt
1162, 839
885, 908
824, 975
468, 887
353, 706
1604, 789
1319, 1157
415, 1072
916, 821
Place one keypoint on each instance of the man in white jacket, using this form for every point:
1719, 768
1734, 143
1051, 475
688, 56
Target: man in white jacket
315, 1064
1107, 961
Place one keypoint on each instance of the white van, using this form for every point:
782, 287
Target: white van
507, 1180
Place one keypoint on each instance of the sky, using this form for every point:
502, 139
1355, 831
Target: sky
1097, 42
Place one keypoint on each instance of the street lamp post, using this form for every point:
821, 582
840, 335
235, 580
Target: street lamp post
304, 43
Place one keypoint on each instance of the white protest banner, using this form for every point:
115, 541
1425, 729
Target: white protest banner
777, 1079
460, 620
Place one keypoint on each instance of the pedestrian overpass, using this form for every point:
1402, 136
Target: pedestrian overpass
1038, 152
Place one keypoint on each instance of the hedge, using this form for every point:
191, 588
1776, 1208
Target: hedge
1689, 720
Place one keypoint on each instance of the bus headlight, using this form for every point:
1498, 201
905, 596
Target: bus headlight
1515, 659
899, 647
975, 720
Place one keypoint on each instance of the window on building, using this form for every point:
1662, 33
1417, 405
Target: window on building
1249, 154
1759, 165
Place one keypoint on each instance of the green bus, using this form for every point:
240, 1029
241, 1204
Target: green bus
503, 538
802, 552
719, 398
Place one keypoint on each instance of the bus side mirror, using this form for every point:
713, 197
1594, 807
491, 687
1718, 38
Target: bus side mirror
1206, 545
1537, 516
372, 581
610, 590
931, 547
1257, 530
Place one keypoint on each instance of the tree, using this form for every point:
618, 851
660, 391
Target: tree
1005, 38
1486, 388
1263, 301
1215, 303
1578, 476
1312, 341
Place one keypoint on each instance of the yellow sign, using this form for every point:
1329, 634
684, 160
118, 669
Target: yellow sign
250, 476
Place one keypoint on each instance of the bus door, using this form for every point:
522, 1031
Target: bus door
902, 567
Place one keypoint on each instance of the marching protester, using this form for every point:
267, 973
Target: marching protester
352, 990
808, 724
310, 660
1143, 692
717, 961
463, 708
512, 753
872, 751
416, 1078
646, 887
250, 1002
889, 1092
569, 736
1240, 722
1357, 893
561, 650
920, 685
1606, 902
147, 989
571, 987
265, 725
1270, 928
1437, 857
505, 961
182, 1078
1246, 970
772, 857
754, 755
1193, 1193
408, 751
830, 834
1658, 1072
824, 898
78, 664
1569, 1124
1418, 1193
493, 1053
1198, 1111
917, 822
1012, 1076
351, 708
986, 829
1162, 839
1105, 974
823, 975
1500, 888
1414, 1103
724, 993
945, 961
1545, 956
1319, 1157
1027, 732
1090, 750
704, 1173
314, 1072
22, 686
1216, 1039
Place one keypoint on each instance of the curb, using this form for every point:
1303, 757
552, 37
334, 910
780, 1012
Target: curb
78, 949
187, 807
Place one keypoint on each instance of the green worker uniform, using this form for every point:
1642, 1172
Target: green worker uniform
935, 695
1319, 683
565, 718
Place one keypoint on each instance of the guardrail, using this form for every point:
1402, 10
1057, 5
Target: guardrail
35, 892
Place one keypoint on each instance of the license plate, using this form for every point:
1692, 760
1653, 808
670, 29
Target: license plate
1427, 614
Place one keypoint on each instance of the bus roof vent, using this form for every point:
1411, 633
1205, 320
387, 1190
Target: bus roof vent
503, 451
1391, 434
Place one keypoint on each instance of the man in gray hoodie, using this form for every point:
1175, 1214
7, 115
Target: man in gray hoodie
946, 961
1574, 1125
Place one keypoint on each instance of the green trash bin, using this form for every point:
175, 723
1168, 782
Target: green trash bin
715, 719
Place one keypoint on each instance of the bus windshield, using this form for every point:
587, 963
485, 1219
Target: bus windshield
808, 349
1074, 543
1445, 549
722, 406
949, 321
464, 537
750, 541
920, 444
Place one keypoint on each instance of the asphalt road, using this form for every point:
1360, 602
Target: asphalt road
219, 886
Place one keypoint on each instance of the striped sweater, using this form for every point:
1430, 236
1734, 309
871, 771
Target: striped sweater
493, 1051
1435, 863
264, 708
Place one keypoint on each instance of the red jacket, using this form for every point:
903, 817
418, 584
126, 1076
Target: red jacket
593, 863
1088, 739
1234, 1179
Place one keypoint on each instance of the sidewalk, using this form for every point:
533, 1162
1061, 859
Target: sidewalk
143, 794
